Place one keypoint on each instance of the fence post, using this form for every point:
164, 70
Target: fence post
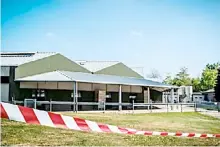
50, 105
133, 105
76, 105
151, 107
167, 107
12, 100
195, 107
104, 106
35, 103
181, 107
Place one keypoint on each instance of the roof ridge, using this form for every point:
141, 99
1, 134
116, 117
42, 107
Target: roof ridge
60, 72
45, 52
95, 61
26, 52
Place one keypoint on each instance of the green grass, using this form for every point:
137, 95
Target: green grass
15, 133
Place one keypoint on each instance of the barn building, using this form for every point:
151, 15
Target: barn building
48, 76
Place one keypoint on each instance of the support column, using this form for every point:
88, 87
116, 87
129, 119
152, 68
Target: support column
74, 95
178, 96
172, 98
120, 98
167, 96
163, 98
172, 95
148, 96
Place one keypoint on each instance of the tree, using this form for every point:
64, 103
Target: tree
196, 84
154, 75
213, 66
206, 82
182, 78
209, 75
217, 90
168, 80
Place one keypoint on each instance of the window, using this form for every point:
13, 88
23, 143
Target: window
79, 95
108, 95
4, 79
38, 93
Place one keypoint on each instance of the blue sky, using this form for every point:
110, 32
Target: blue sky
155, 34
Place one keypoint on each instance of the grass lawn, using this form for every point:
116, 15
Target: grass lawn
16, 133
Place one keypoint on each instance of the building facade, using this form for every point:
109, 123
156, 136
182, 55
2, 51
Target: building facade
51, 76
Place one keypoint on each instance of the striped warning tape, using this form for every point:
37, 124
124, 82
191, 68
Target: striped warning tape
34, 116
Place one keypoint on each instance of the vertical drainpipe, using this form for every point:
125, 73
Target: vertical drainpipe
120, 98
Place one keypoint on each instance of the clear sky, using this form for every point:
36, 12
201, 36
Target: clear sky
155, 34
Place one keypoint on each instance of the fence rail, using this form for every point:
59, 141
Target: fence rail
166, 107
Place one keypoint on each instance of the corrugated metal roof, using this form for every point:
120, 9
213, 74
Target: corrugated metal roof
93, 78
18, 58
95, 66
49, 77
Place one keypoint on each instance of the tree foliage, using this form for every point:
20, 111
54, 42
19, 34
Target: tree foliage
209, 75
181, 78
196, 84
213, 66
168, 80
206, 82
154, 74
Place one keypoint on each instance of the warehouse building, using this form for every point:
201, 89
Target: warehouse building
52, 76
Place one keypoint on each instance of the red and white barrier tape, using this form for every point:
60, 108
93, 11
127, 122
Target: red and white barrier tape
33, 116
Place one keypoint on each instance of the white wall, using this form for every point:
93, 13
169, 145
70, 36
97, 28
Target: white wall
4, 92
47, 85
81, 86
113, 88
198, 97
28, 85
5, 71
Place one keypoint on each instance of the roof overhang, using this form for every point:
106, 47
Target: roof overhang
66, 76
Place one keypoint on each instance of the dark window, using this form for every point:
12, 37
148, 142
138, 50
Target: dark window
39, 94
4, 79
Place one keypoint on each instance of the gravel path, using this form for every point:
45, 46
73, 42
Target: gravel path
212, 113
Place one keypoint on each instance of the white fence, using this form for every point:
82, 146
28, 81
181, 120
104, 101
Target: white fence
150, 107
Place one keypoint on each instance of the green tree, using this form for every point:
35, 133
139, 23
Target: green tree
196, 84
213, 66
209, 75
168, 79
182, 78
